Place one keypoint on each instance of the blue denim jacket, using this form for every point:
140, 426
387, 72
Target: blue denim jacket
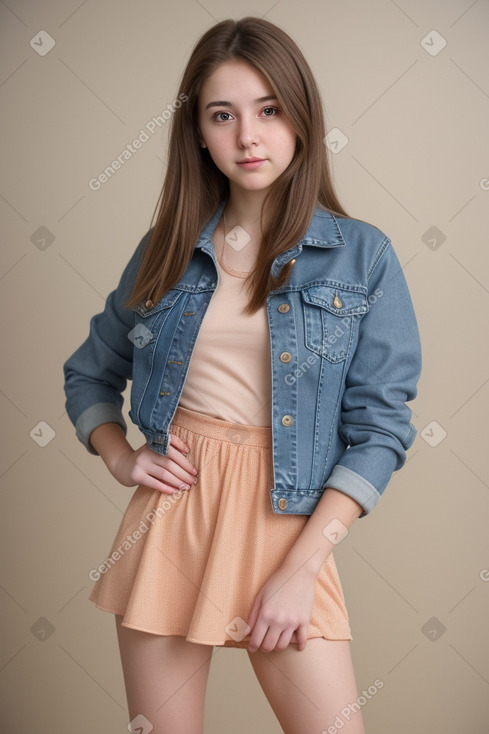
345, 359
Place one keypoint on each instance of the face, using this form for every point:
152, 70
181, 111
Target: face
240, 118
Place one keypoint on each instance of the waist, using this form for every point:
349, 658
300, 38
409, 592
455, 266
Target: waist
238, 433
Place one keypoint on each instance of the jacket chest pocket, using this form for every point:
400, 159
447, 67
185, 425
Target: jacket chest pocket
330, 313
149, 321
150, 352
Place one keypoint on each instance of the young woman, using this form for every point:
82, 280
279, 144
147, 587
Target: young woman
272, 347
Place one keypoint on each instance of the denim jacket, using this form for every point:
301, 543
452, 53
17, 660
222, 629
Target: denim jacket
345, 359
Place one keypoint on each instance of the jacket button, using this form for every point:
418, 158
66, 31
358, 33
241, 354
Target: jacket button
285, 357
287, 420
282, 503
283, 308
337, 302
149, 304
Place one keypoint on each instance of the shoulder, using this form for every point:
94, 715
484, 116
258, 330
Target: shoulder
352, 240
348, 229
356, 230
138, 254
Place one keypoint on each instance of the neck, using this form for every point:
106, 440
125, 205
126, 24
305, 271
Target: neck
244, 208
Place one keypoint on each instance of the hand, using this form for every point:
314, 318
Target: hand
282, 611
164, 473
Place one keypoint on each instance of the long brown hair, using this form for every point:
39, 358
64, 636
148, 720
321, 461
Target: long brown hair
194, 186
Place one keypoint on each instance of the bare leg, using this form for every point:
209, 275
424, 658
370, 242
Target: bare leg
309, 689
165, 679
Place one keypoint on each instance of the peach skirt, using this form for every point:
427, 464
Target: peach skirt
191, 564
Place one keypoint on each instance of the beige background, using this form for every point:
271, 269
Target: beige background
416, 159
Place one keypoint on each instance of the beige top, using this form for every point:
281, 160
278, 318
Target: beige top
229, 375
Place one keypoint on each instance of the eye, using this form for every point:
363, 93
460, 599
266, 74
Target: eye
271, 109
217, 115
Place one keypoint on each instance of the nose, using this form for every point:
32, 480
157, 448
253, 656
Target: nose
248, 134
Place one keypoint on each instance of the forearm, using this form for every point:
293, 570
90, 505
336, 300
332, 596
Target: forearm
110, 442
334, 514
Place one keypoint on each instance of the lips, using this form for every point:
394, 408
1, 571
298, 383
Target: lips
251, 163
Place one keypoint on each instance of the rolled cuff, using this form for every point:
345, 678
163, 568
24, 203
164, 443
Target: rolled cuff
95, 416
355, 486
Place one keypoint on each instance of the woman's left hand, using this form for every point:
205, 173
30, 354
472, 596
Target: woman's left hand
282, 611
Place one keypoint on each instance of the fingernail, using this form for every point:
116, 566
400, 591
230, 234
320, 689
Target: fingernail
185, 486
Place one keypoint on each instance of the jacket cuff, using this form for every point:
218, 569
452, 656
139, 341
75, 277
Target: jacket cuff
355, 486
95, 416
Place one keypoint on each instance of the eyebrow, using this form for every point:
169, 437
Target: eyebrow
223, 103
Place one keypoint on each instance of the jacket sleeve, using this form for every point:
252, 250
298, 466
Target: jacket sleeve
382, 377
96, 374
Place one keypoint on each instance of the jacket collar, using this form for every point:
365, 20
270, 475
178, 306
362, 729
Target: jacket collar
323, 231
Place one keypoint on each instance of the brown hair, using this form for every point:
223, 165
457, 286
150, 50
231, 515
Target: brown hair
194, 186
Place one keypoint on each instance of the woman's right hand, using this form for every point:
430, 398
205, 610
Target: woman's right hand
144, 466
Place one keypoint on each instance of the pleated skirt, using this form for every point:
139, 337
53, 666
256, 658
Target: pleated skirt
192, 563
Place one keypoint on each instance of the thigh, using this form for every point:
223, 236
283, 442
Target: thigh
310, 689
165, 679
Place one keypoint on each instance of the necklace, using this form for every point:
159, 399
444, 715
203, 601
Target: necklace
224, 265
